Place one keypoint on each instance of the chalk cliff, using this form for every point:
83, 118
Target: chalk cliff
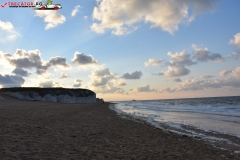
52, 94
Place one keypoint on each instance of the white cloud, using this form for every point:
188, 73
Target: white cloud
182, 58
145, 88
122, 83
11, 37
85, 17
235, 55
232, 81
20, 72
81, 59
121, 15
109, 89
153, 62
6, 26
64, 75
56, 84
178, 63
7, 31
177, 66
236, 40
75, 10
103, 81
123, 30
205, 76
224, 73
159, 74
46, 84
236, 73
97, 28
134, 75
57, 61
52, 18
177, 80
101, 77
77, 83
233, 73
22, 59
42, 72
11, 81
203, 55
102, 72
202, 84
176, 71
50, 83
167, 89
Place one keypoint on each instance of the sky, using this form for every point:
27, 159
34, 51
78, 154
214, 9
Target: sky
124, 49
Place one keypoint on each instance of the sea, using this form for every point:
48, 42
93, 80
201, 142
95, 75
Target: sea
213, 119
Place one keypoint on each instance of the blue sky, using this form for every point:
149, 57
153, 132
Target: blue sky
125, 49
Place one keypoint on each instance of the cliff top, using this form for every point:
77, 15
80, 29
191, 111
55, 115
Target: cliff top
53, 91
18, 89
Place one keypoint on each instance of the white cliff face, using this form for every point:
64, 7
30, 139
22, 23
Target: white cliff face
84, 97
1, 98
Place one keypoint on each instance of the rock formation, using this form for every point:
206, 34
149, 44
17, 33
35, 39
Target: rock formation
52, 94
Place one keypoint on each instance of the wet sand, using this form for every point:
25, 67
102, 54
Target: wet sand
46, 130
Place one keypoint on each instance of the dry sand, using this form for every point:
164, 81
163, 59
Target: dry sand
45, 130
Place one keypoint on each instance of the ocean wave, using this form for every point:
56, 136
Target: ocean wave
225, 106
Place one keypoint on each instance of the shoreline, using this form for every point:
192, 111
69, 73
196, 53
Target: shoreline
216, 139
41, 130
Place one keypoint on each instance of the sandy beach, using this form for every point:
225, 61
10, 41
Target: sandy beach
46, 130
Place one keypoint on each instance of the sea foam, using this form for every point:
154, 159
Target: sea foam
212, 115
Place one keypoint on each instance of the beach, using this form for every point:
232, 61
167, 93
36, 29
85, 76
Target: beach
47, 130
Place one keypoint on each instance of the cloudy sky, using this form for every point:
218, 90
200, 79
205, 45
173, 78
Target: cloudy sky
125, 49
